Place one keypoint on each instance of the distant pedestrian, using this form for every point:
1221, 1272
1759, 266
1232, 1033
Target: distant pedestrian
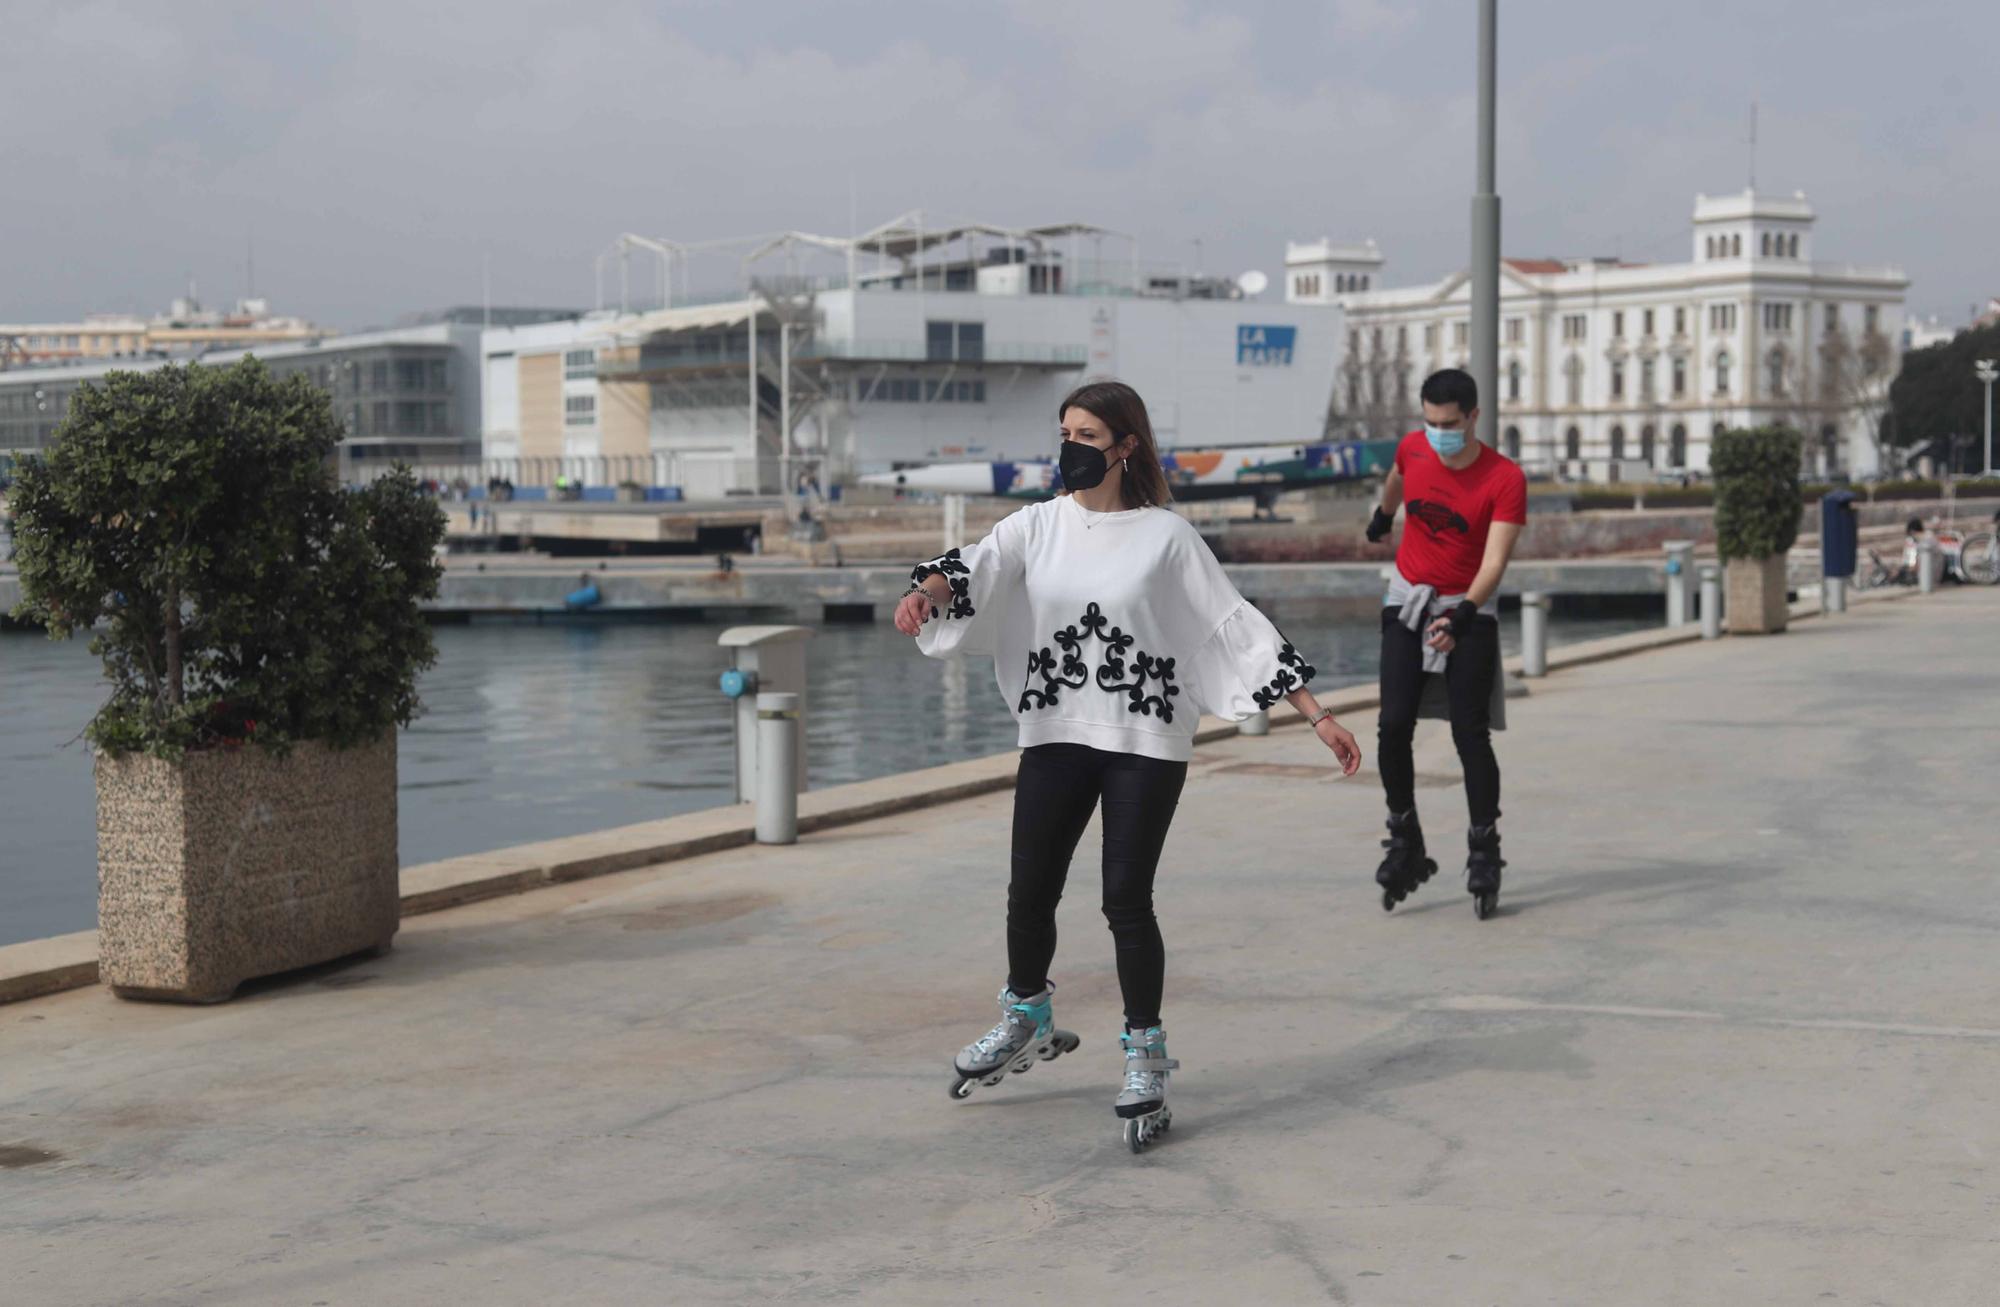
1129, 630
1441, 627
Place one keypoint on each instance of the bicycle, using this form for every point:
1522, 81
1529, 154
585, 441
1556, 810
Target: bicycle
1979, 558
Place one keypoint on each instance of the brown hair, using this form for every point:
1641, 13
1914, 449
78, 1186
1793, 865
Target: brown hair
1119, 407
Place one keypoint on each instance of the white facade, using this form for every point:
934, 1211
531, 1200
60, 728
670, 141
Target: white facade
884, 375
1605, 364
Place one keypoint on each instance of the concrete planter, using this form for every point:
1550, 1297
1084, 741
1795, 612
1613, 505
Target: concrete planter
235, 863
1756, 603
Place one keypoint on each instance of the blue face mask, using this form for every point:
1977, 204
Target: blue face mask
1446, 443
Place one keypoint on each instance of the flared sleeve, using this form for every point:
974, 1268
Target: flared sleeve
987, 579
1244, 664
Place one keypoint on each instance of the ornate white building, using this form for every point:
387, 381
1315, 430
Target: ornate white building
1608, 369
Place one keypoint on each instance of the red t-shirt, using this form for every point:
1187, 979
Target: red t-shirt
1448, 513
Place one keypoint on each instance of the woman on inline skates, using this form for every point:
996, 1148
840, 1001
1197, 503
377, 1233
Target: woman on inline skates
1112, 628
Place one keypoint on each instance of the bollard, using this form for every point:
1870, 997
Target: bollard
1711, 603
764, 658
777, 768
1257, 723
1833, 594
1534, 634
954, 523
1927, 561
1680, 581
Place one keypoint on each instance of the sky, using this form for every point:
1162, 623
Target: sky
383, 158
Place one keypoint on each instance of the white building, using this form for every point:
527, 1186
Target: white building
1608, 368
926, 344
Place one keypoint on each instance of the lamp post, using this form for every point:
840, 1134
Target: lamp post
1485, 288
1987, 370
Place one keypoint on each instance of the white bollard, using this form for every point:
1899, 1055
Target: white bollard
777, 768
1927, 566
1534, 634
1257, 723
1680, 582
1833, 594
1711, 603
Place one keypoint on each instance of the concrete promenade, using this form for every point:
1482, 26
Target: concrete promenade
1731, 1040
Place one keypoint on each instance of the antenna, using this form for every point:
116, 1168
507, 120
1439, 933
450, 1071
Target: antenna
1753, 145
250, 262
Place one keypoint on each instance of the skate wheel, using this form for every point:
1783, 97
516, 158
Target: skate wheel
1135, 1138
1388, 900
962, 1088
1483, 905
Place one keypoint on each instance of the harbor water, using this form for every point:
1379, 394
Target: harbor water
536, 732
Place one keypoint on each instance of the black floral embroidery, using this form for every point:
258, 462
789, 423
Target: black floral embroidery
1293, 672
956, 574
1146, 682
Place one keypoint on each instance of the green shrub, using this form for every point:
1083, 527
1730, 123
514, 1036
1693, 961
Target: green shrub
1912, 489
243, 593
1756, 491
1680, 496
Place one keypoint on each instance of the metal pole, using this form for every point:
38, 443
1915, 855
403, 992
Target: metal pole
1927, 561
1680, 581
777, 768
785, 412
1833, 594
1711, 603
1988, 370
753, 376
1486, 239
1534, 634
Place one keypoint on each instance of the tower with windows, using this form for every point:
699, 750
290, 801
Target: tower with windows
1322, 272
1753, 226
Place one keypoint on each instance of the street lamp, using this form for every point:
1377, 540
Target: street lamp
1987, 370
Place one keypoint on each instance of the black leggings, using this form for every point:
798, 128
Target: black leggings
1060, 785
1468, 680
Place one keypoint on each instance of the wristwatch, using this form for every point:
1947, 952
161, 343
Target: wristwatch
1318, 717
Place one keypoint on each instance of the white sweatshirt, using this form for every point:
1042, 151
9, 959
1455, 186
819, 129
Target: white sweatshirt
1113, 630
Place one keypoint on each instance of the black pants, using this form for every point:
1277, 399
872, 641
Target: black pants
1468, 679
1060, 785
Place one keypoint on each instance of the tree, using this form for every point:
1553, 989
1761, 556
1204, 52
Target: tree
243, 593
1854, 378
1937, 394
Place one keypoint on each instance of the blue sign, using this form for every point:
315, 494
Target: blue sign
1263, 347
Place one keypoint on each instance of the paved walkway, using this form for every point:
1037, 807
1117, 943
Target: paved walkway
1732, 1040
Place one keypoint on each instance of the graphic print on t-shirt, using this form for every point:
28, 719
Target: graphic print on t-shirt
1438, 517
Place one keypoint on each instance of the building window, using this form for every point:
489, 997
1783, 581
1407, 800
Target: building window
1736, 246
1618, 324
1767, 244
1649, 322
1617, 381
1677, 445
1460, 331
1680, 322
1721, 373
381, 416
1514, 381
410, 418
1514, 331
1431, 337
1872, 318
1572, 444
1709, 247
378, 375
1722, 317
1618, 444
579, 410
1777, 317
579, 364
1512, 440
1576, 327
1402, 341
1573, 375
963, 342
1680, 378
1647, 440
1775, 365
1794, 251
1375, 340
1832, 319
1646, 387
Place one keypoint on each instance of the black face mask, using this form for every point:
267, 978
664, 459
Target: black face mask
1083, 466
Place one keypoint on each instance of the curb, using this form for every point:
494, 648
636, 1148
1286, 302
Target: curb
48, 966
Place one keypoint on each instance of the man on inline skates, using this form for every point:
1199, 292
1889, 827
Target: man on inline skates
1467, 503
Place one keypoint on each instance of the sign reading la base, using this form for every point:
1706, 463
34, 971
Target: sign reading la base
1265, 347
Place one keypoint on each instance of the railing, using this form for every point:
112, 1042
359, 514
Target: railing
853, 351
